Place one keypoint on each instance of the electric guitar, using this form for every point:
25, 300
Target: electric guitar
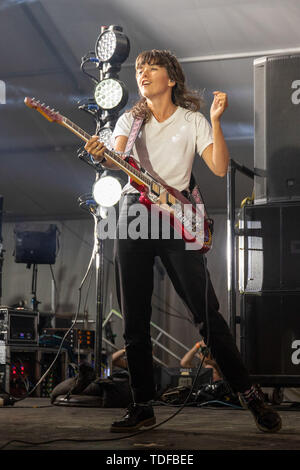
188, 220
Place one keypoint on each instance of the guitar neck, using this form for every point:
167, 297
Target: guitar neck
75, 129
116, 158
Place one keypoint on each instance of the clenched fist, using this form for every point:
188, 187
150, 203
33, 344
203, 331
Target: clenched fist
218, 106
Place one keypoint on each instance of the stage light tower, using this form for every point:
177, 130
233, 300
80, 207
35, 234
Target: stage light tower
111, 95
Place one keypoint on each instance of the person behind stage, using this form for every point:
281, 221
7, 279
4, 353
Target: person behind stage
174, 130
196, 352
119, 359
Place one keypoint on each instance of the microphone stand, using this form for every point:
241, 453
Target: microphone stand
87, 202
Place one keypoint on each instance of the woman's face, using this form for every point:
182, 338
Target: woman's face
153, 80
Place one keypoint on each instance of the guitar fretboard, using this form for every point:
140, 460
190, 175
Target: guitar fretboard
76, 129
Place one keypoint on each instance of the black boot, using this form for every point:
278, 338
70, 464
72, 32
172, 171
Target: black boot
266, 419
136, 417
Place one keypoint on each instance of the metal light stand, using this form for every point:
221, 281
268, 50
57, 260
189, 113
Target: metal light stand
99, 260
105, 118
231, 240
34, 302
87, 202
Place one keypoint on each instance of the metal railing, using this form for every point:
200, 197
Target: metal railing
155, 340
231, 239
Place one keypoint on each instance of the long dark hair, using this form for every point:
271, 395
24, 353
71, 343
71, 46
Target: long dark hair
181, 96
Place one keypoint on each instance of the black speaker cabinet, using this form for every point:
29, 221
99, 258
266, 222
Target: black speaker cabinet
270, 337
269, 248
276, 128
36, 247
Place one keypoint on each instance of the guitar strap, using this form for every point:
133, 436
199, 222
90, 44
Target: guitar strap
134, 132
194, 194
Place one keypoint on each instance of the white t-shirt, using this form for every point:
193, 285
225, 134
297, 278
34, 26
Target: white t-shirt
167, 149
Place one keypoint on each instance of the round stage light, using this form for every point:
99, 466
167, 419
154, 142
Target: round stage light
111, 94
106, 45
112, 46
107, 191
105, 135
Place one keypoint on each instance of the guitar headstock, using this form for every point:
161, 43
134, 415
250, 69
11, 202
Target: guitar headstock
50, 114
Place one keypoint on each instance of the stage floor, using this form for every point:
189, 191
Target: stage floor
37, 422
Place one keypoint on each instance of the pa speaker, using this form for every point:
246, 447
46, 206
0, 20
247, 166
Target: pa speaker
269, 247
270, 337
276, 128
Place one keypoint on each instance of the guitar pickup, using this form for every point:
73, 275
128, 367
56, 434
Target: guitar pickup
171, 200
155, 189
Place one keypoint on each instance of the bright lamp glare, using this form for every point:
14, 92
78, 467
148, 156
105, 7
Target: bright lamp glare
105, 136
107, 191
108, 93
106, 45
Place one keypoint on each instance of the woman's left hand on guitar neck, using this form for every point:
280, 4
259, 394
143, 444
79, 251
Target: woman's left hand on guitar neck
97, 150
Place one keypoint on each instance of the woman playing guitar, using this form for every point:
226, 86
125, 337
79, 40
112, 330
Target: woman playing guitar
173, 131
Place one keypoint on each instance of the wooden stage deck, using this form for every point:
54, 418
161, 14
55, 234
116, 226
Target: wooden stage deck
52, 428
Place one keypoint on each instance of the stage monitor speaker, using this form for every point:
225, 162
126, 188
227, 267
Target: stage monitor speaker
270, 337
36, 247
269, 247
276, 128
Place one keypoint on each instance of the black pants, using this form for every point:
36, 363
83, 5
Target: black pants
134, 261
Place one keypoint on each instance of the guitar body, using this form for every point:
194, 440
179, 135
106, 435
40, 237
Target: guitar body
164, 210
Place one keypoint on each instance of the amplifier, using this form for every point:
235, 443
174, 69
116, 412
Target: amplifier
77, 338
269, 247
21, 366
18, 326
276, 123
270, 337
